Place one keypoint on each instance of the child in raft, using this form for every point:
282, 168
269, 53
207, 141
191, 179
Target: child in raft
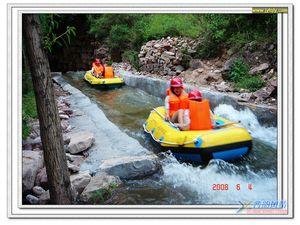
98, 68
176, 102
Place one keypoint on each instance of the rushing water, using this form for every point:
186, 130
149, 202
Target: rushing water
181, 183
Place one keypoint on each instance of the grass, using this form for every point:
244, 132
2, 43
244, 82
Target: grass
239, 75
28, 112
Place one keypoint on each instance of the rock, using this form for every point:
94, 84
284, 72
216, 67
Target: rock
273, 82
179, 69
73, 168
259, 69
41, 178
228, 64
131, 167
80, 181
224, 87
32, 161
44, 198
265, 92
245, 97
32, 199
80, 141
66, 139
64, 116
73, 158
98, 183
195, 64
38, 191
32, 143
213, 77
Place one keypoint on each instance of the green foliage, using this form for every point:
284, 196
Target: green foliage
163, 25
124, 32
50, 26
251, 83
28, 112
239, 74
234, 31
238, 71
131, 56
101, 195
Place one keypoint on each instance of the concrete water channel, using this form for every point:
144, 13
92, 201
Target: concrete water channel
116, 117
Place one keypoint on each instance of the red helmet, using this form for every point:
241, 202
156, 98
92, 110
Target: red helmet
176, 82
195, 95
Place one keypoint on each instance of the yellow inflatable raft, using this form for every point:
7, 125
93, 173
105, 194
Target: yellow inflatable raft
227, 140
105, 82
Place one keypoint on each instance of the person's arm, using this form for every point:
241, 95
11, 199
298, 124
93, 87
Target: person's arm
167, 107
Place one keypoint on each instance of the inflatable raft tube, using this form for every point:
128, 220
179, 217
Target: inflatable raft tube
103, 82
228, 141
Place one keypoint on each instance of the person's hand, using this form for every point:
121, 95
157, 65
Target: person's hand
167, 117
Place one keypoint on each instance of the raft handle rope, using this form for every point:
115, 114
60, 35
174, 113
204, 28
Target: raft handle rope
172, 124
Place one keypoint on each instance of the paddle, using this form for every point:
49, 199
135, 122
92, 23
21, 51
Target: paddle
225, 124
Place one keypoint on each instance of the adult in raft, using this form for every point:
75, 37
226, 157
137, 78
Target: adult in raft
176, 102
98, 69
186, 111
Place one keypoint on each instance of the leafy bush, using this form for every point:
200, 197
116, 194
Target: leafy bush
163, 25
239, 70
101, 195
239, 74
131, 56
251, 83
28, 112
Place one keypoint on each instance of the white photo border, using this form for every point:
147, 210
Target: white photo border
285, 176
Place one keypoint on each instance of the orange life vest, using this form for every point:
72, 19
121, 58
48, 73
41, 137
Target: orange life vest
98, 69
177, 102
200, 115
109, 72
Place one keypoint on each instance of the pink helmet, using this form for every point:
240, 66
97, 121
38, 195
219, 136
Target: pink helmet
176, 82
195, 95
97, 61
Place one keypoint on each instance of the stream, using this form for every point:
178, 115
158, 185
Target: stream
252, 178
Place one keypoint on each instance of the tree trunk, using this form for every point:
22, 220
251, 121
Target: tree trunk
50, 128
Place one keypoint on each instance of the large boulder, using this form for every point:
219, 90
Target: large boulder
44, 198
32, 199
97, 185
32, 161
195, 64
131, 167
265, 92
41, 178
38, 191
80, 181
259, 69
80, 141
224, 87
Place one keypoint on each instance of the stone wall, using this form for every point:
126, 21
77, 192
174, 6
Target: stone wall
165, 56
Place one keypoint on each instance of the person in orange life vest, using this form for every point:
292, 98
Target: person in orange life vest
199, 112
98, 68
197, 117
176, 101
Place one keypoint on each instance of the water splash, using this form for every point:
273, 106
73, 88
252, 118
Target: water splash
266, 134
199, 182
